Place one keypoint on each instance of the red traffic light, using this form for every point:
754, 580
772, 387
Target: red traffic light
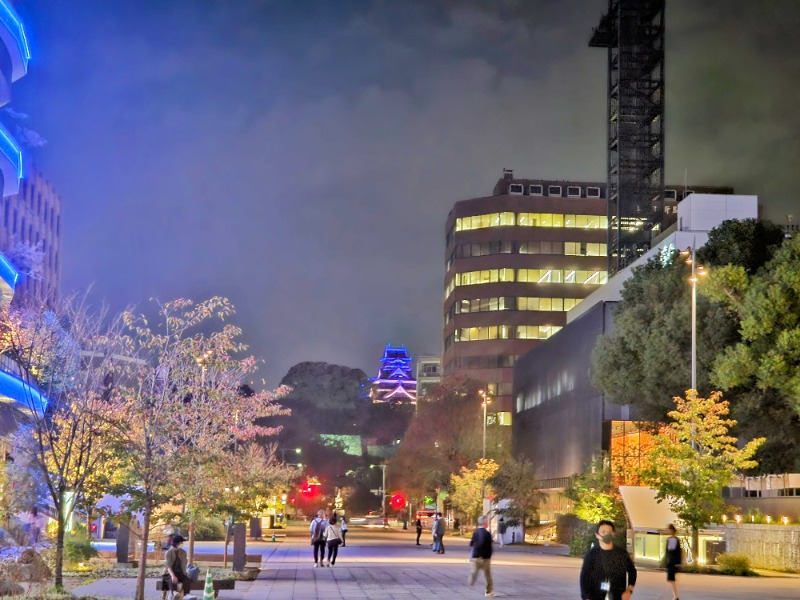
398, 501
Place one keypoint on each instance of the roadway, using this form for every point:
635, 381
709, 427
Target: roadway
379, 564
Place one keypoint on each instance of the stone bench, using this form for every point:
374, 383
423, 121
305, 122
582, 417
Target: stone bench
200, 585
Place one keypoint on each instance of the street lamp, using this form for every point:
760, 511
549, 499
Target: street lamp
283, 453
487, 400
383, 492
697, 271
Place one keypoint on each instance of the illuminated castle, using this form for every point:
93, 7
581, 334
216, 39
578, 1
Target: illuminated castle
395, 381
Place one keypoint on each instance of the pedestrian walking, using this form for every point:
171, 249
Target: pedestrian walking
673, 556
434, 525
318, 526
481, 555
608, 572
333, 537
418, 525
440, 527
344, 532
501, 531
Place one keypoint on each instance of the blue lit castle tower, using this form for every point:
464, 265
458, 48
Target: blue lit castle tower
17, 393
395, 381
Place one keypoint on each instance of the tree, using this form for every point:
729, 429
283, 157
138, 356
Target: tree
470, 487
180, 394
516, 481
748, 243
768, 307
695, 457
644, 361
594, 493
63, 354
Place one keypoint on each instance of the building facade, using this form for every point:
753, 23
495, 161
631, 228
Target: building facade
429, 374
31, 237
516, 261
395, 381
560, 420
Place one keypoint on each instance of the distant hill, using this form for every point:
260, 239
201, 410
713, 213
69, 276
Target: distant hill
327, 387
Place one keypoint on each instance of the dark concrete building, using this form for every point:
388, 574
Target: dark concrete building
516, 261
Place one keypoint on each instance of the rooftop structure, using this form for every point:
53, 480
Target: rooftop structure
632, 31
395, 381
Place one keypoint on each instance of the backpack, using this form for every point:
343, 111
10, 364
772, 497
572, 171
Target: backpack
319, 530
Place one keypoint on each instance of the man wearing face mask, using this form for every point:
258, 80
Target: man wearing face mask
608, 572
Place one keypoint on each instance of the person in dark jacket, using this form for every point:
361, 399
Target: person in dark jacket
608, 572
481, 555
418, 525
440, 527
672, 558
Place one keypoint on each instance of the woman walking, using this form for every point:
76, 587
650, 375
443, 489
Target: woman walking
419, 529
344, 532
333, 535
672, 558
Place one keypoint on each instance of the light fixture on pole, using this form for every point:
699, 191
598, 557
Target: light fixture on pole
383, 492
487, 400
697, 271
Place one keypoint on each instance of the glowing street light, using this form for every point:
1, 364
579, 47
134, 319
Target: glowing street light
697, 271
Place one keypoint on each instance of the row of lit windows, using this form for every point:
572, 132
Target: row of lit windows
505, 332
476, 305
526, 276
526, 219
520, 247
562, 276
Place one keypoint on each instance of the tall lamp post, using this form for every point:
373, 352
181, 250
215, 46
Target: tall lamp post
383, 492
487, 400
697, 270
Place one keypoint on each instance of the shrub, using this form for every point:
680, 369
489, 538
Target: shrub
208, 529
78, 548
731, 563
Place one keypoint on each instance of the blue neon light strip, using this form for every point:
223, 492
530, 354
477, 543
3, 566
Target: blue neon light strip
13, 23
8, 273
10, 148
28, 396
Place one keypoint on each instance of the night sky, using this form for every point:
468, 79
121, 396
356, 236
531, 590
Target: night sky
301, 157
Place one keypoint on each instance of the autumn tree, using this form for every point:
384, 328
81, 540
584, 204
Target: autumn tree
470, 486
695, 457
64, 355
516, 481
180, 394
444, 435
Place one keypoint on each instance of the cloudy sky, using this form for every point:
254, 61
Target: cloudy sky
300, 157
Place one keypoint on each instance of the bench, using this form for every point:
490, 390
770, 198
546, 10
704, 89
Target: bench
200, 585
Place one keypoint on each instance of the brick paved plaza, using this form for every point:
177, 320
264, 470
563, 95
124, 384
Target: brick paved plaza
379, 565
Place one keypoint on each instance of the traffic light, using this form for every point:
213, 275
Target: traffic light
398, 501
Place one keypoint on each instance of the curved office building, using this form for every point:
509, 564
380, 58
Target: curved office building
516, 261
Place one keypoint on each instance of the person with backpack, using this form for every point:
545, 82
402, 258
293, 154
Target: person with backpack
672, 558
333, 537
177, 563
318, 526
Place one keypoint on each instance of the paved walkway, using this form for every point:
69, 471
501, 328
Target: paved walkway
379, 565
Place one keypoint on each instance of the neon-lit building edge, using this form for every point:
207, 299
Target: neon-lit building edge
395, 381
